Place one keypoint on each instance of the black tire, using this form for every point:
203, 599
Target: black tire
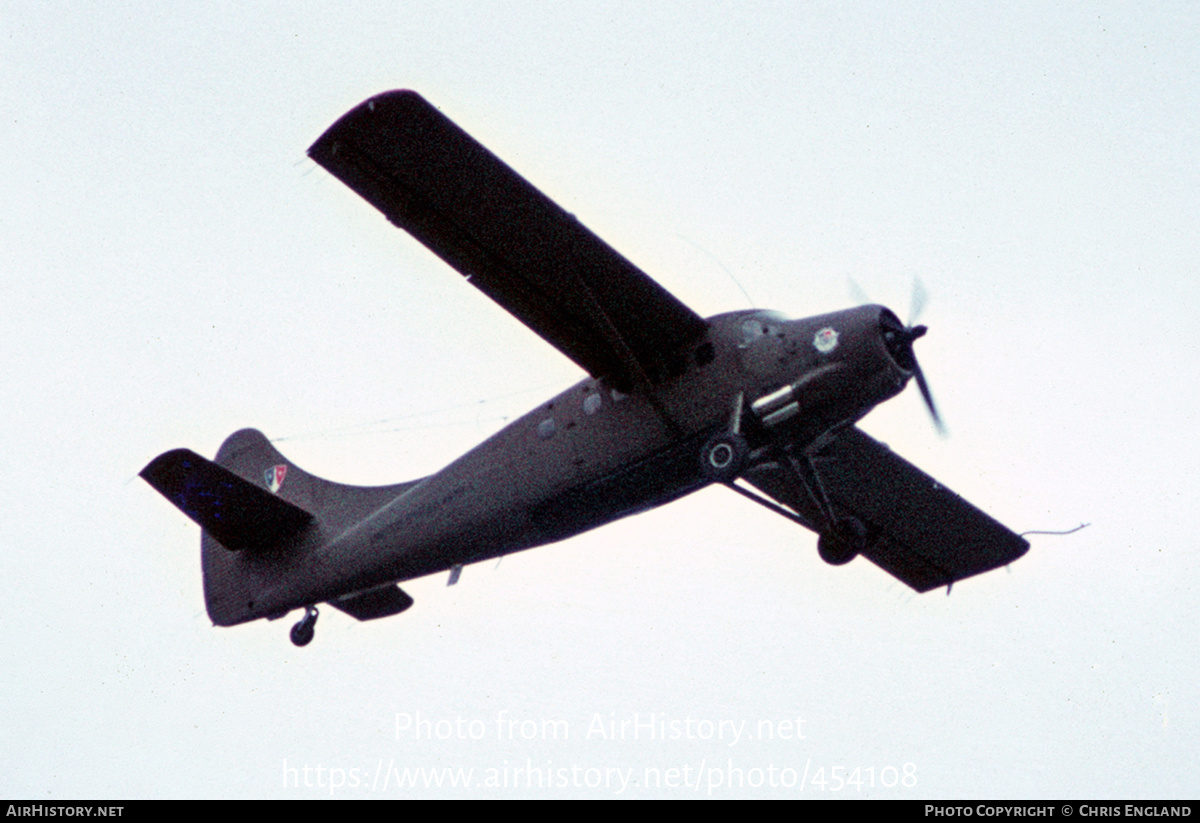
302, 634
723, 457
846, 542
834, 550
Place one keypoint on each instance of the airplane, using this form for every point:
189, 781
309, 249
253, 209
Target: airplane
673, 402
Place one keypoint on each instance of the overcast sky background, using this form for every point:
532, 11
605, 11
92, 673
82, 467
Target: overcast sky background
174, 268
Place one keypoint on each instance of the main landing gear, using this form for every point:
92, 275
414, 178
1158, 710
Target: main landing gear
302, 632
840, 537
725, 455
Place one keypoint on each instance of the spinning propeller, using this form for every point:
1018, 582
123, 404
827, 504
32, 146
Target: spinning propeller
899, 341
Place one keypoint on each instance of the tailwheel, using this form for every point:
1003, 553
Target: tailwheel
844, 543
723, 457
302, 632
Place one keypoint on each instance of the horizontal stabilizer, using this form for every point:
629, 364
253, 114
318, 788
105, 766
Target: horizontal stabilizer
238, 514
374, 603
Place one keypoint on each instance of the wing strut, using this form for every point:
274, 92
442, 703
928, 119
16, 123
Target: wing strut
773, 506
633, 370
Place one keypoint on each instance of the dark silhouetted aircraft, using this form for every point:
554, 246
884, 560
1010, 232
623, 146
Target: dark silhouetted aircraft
673, 402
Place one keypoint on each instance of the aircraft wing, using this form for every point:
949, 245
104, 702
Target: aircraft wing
923, 534
433, 180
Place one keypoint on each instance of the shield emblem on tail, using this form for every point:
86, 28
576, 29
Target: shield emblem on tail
273, 477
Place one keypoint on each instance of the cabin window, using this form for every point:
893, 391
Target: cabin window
591, 404
546, 429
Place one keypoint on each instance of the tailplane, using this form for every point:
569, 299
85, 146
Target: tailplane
240, 515
262, 517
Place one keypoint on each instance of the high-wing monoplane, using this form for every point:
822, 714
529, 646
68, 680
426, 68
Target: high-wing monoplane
673, 402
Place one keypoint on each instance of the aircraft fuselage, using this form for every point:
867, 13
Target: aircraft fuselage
594, 454
673, 402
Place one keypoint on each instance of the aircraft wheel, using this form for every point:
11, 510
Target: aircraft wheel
302, 632
723, 457
844, 544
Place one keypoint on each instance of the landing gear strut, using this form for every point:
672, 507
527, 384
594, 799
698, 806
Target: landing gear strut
302, 632
724, 455
841, 539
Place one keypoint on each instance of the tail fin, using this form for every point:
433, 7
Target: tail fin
261, 516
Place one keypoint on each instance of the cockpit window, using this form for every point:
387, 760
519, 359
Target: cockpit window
756, 328
752, 330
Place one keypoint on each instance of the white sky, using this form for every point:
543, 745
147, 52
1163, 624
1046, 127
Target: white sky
175, 269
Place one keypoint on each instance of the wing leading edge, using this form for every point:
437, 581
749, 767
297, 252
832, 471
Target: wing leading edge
923, 534
433, 180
